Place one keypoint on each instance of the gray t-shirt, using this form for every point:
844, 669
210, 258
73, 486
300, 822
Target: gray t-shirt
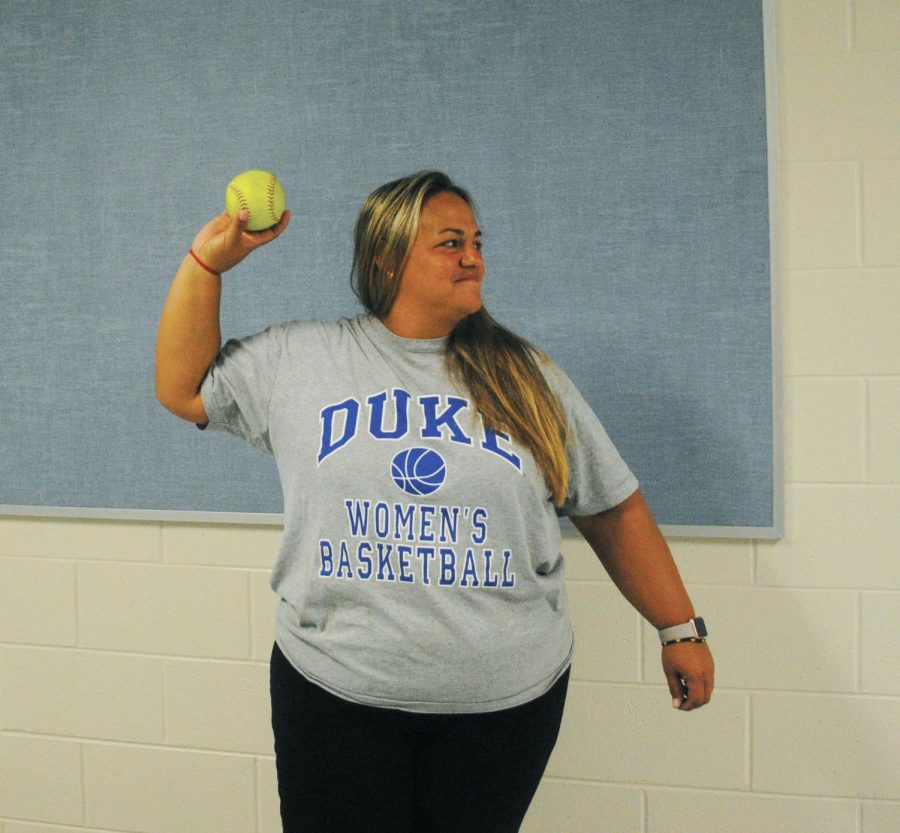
420, 567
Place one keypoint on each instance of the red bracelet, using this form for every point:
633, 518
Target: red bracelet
193, 254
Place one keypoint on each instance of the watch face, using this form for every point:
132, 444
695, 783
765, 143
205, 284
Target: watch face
701, 627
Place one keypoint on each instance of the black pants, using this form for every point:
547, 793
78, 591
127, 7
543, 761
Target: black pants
348, 768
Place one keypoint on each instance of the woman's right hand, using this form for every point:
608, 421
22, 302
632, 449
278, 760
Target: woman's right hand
224, 241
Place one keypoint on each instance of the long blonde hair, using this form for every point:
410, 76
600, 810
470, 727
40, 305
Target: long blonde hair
500, 369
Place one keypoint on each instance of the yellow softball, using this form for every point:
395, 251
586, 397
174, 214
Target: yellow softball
260, 193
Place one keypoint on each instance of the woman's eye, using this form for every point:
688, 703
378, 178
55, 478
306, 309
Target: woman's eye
456, 243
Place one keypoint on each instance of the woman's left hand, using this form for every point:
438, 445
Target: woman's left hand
689, 670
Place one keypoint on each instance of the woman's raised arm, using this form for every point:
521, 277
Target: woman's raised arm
189, 337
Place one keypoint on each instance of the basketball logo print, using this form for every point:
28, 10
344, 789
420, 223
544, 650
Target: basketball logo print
418, 471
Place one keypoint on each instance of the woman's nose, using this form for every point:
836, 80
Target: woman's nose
470, 255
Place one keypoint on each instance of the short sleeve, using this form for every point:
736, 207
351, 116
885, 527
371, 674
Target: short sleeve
599, 478
238, 385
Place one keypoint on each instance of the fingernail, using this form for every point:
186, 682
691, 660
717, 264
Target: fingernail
676, 703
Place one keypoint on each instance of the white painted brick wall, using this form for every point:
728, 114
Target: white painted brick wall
133, 656
167, 790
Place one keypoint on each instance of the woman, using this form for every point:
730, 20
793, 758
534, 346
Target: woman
423, 641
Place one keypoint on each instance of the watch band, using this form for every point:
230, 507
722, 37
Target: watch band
694, 629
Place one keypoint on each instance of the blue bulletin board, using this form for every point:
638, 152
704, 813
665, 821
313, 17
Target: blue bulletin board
620, 155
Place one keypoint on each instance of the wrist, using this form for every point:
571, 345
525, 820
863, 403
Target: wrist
694, 630
203, 264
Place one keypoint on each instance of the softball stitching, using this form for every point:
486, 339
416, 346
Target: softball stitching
271, 200
242, 200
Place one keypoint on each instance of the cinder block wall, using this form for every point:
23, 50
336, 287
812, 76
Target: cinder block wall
133, 689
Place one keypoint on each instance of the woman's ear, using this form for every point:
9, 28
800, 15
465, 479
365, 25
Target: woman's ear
379, 262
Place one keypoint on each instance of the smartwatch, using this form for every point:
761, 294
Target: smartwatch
693, 630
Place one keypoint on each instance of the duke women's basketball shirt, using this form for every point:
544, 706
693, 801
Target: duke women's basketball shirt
420, 567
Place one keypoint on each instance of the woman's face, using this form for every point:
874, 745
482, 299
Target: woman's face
441, 283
